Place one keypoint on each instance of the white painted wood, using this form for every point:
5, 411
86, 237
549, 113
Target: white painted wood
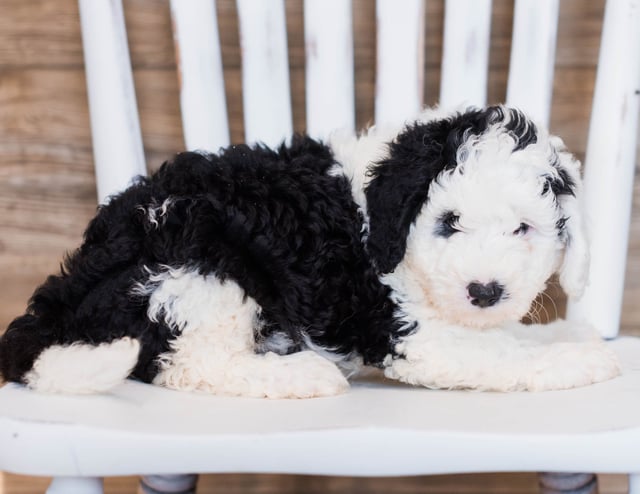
400, 60
328, 37
610, 165
115, 129
76, 485
141, 429
265, 71
199, 61
634, 483
533, 49
465, 54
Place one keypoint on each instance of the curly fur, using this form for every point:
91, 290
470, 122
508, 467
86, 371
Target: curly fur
254, 271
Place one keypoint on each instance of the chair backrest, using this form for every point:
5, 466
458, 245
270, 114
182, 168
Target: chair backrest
118, 150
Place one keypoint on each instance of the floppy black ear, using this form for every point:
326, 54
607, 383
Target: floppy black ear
399, 185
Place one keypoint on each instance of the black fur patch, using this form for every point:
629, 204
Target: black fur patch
272, 221
563, 184
523, 130
561, 226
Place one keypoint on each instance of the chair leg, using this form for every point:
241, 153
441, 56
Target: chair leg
76, 485
168, 484
634, 483
567, 483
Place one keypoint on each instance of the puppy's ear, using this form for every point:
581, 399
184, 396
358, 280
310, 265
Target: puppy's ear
398, 188
400, 183
574, 270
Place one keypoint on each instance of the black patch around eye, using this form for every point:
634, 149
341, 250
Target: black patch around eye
522, 229
447, 224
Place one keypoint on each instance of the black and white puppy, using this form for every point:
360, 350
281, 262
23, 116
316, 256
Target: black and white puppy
259, 272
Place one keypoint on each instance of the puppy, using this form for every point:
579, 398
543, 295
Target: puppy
263, 273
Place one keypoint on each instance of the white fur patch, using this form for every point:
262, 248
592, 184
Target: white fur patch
357, 154
82, 368
215, 349
559, 355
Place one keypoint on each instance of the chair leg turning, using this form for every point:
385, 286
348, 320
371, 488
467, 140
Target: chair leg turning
76, 485
165, 484
567, 483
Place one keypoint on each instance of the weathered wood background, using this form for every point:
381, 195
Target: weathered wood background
47, 189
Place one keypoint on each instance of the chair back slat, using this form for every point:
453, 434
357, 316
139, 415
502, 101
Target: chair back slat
328, 34
533, 48
465, 53
400, 55
265, 71
610, 165
199, 65
115, 128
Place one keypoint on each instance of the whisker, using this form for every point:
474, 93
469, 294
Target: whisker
553, 305
534, 311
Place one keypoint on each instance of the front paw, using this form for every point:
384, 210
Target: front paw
558, 356
572, 364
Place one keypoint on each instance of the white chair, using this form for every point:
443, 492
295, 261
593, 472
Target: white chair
378, 428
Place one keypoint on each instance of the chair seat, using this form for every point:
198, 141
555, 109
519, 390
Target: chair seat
379, 428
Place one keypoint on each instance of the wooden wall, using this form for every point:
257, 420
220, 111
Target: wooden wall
47, 189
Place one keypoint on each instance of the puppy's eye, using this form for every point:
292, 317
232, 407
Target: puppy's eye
448, 224
522, 229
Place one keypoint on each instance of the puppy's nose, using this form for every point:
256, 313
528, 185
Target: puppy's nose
485, 295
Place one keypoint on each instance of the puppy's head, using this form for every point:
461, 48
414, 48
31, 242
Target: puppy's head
480, 209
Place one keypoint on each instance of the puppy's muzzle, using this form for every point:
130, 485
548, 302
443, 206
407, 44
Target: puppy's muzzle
482, 295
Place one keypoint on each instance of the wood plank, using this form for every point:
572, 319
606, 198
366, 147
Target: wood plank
579, 30
34, 106
159, 109
40, 33
364, 59
149, 32
630, 322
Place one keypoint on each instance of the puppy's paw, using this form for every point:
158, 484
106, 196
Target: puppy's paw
572, 364
453, 375
302, 375
423, 373
298, 375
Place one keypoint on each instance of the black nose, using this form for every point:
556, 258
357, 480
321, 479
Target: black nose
485, 295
